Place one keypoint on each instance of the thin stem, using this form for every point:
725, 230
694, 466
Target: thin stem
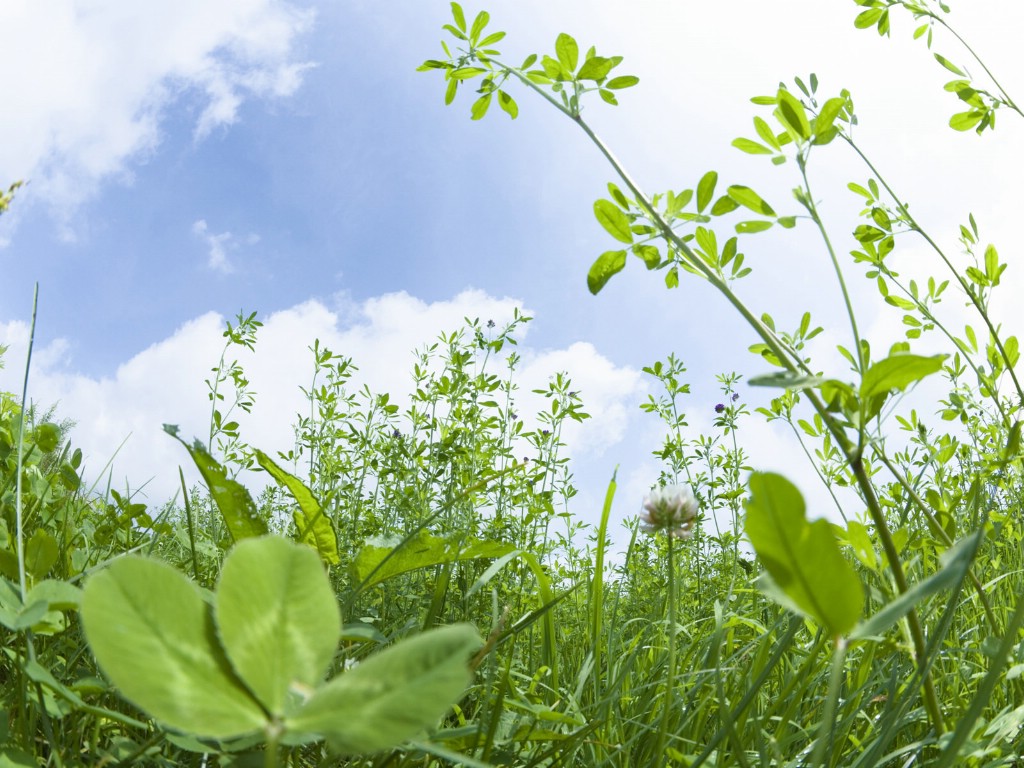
22, 581
670, 675
1006, 97
826, 727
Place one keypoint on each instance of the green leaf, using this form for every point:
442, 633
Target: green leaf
725, 204
706, 190
956, 561
278, 619
567, 51
508, 104
750, 227
649, 254
41, 553
793, 115
233, 500
748, 198
596, 68
601, 271
478, 25
615, 222
466, 73
46, 436
623, 81
949, 65
459, 16
802, 558
827, 116
479, 108
312, 525
785, 379
867, 19
153, 636
750, 147
377, 563
964, 121
393, 695
897, 372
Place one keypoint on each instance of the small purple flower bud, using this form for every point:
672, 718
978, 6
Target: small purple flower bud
490, 323
396, 433
735, 396
720, 407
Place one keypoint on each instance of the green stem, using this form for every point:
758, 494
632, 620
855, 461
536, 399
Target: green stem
828, 718
671, 672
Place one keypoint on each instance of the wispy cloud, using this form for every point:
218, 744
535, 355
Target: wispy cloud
95, 82
219, 245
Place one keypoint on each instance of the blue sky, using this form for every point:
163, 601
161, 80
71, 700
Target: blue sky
188, 161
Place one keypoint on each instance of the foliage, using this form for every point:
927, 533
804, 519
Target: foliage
733, 630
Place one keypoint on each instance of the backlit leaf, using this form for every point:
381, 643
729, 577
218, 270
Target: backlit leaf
802, 558
568, 51
615, 222
153, 636
898, 371
312, 525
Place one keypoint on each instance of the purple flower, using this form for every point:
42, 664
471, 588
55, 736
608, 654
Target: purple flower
671, 509
490, 323
396, 433
735, 396
720, 407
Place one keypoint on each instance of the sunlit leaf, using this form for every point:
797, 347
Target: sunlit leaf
898, 371
614, 221
312, 524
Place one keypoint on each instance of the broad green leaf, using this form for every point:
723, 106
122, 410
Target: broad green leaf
596, 68
898, 371
231, 497
724, 205
393, 695
46, 436
376, 563
964, 121
615, 222
867, 19
311, 523
750, 147
802, 558
480, 106
277, 617
750, 227
59, 595
623, 81
567, 51
41, 553
706, 190
153, 636
766, 133
601, 271
748, 198
827, 116
793, 115
508, 104
956, 561
649, 254
785, 379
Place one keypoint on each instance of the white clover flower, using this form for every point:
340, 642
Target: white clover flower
672, 509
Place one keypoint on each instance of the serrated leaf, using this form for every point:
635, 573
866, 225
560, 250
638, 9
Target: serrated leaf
802, 558
376, 563
153, 636
277, 618
312, 525
614, 221
232, 499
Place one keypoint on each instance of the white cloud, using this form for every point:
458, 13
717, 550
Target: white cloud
95, 80
219, 245
164, 383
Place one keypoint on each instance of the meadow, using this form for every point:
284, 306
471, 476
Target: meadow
416, 587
